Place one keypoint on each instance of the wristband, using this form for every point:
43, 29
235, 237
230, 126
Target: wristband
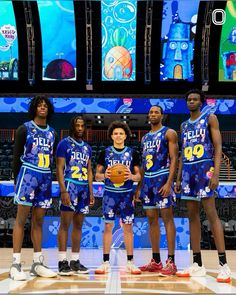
63, 192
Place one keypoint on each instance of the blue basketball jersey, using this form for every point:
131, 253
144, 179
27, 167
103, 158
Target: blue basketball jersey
38, 149
196, 140
77, 155
124, 157
155, 151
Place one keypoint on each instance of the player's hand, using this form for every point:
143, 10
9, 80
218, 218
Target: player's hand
214, 182
108, 172
65, 199
128, 174
136, 196
91, 200
177, 188
165, 190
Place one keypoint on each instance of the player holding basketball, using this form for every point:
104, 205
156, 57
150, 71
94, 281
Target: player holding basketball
118, 196
33, 156
74, 174
199, 169
159, 163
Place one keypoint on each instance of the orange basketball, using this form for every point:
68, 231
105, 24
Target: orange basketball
118, 173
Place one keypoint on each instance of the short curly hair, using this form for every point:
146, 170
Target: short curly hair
119, 124
36, 100
197, 91
72, 124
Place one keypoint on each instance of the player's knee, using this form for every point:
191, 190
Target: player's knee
20, 222
37, 222
153, 221
64, 226
108, 227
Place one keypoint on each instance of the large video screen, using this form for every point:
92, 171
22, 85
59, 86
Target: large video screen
179, 21
57, 23
8, 42
227, 56
119, 19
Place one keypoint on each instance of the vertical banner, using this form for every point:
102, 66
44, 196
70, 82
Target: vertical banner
57, 23
179, 21
227, 56
8, 42
119, 18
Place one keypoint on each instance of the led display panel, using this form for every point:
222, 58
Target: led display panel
227, 56
8, 42
179, 21
57, 23
119, 18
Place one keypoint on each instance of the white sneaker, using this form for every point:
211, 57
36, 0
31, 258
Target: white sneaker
224, 275
193, 271
16, 273
132, 268
38, 269
104, 268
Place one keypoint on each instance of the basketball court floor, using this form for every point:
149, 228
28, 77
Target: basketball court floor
118, 281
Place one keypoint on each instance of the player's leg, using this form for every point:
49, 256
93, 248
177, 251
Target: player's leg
42, 201
224, 275
65, 222
110, 200
168, 219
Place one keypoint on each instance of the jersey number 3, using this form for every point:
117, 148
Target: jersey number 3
149, 162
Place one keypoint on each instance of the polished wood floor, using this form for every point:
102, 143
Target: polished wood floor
118, 281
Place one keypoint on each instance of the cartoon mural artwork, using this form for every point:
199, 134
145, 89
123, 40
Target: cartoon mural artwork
227, 50
8, 68
178, 31
118, 61
58, 52
229, 57
8, 42
178, 52
119, 40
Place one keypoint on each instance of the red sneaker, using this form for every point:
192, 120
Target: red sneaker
152, 266
169, 269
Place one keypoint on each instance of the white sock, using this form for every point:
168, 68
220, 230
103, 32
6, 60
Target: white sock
62, 255
36, 256
74, 256
17, 258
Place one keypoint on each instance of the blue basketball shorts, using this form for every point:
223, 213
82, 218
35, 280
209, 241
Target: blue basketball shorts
34, 188
195, 180
112, 201
150, 196
79, 197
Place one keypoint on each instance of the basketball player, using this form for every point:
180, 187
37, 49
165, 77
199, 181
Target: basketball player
118, 196
199, 169
159, 163
74, 174
33, 156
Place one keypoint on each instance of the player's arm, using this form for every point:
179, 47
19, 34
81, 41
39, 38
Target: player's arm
172, 140
20, 140
90, 183
135, 175
179, 174
60, 166
217, 143
101, 174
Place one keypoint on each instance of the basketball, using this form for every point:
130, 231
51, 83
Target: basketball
118, 173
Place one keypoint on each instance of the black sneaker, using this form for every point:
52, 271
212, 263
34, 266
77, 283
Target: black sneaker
64, 268
75, 265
